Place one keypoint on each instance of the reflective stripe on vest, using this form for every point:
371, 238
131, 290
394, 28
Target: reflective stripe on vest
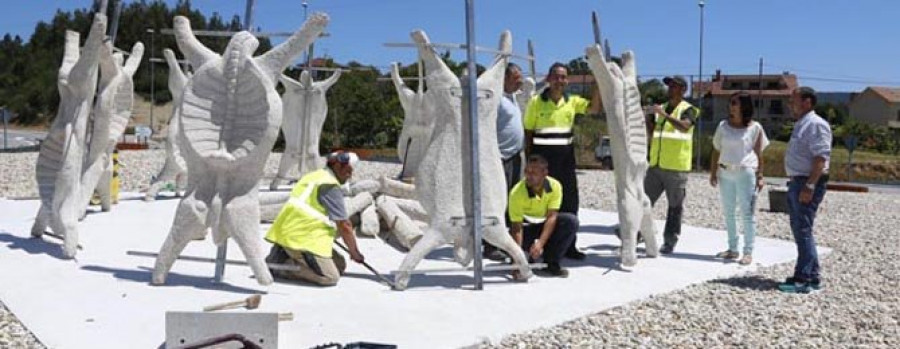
303, 223
552, 136
528, 220
672, 149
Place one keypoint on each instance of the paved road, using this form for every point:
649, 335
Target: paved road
21, 138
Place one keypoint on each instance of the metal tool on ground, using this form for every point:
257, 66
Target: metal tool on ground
251, 302
496, 267
389, 282
273, 266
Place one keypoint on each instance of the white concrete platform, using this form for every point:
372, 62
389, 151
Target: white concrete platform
103, 299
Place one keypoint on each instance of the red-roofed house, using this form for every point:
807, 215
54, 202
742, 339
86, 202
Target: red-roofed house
774, 97
877, 106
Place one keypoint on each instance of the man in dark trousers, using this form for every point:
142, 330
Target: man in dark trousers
537, 224
548, 132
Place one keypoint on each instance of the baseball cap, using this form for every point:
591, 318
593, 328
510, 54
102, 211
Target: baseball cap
344, 157
678, 79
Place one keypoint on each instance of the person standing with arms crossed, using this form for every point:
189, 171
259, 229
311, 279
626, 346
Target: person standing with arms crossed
548, 132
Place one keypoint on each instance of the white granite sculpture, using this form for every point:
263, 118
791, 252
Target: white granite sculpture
112, 112
418, 123
230, 115
523, 96
61, 157
174, 168
441, 178
305, 108
628, 137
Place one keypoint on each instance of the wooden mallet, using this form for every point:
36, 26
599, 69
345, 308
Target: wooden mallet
251, 302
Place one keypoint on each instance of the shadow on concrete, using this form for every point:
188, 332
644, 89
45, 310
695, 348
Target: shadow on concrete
749, 282
597, 229
32, 245
173, 279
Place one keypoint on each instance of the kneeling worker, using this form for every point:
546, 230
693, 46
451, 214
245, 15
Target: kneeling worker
534, 208
305, 229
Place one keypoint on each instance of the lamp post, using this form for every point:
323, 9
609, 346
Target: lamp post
701, 4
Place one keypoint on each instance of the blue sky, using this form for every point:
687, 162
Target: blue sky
833, 45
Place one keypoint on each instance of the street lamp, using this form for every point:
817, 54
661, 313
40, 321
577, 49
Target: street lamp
701, 4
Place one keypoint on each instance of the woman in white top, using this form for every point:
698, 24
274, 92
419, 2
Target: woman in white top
737, 168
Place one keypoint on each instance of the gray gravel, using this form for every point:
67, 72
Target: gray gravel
860, 306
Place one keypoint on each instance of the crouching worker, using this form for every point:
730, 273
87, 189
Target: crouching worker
305, 229
537, 224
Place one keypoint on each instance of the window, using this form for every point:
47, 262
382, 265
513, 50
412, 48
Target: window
754, 85
776, 107
734, 85
898, 115
773, 85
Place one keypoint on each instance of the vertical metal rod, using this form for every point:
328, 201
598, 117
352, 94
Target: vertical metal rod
248, 15
472, 136
700, 96
221, 253
759, 96
5, 126
114, 23
152, 75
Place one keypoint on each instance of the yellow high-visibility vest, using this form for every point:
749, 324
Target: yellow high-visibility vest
303, 222
670, 148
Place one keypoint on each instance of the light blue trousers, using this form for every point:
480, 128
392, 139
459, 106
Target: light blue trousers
737, 190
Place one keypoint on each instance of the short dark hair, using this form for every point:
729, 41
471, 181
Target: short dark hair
556, 65
746, 104
807, 93
538, 159
510, 67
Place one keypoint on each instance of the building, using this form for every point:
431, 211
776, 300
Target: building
771, 97
877, 106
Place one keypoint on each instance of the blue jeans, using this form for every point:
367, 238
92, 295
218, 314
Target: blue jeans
737, 189
802, 218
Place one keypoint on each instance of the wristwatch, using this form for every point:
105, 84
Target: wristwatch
811, 186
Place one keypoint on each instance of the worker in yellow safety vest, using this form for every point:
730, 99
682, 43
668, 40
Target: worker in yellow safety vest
671, 145
303, 234
549, 132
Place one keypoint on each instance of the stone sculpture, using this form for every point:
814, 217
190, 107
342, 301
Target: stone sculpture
418, 123
112, 112
628, 137
230, 114
305, 108
61, 157
174, 167
523, 96
441, 177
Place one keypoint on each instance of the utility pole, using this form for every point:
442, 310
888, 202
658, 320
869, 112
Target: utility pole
470, 135
699, 132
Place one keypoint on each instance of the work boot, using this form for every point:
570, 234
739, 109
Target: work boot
553, 270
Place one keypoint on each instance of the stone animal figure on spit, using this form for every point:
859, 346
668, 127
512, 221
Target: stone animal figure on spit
230, 114
112, 112
418, 123
60, 160
441, 178
628, 137
305, 108
174, 168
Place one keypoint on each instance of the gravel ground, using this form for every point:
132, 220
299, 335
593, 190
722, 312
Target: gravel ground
859, 307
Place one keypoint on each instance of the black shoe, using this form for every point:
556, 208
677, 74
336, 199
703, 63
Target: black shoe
495, 255
575, 254
814, 284
667, 249
553, 270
